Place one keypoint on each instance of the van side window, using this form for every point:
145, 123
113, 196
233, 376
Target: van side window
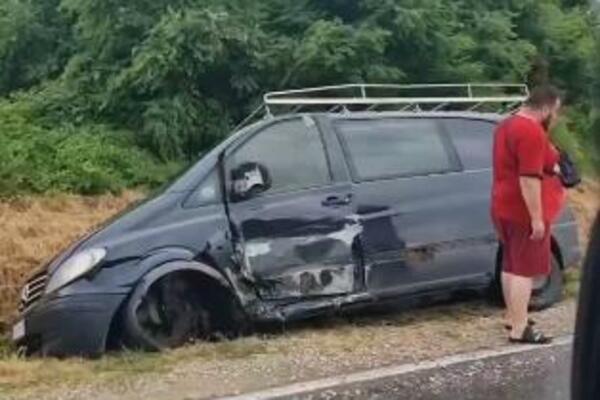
388, 148
207, 193
473, 140
292, 153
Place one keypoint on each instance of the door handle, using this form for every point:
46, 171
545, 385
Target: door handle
334, 201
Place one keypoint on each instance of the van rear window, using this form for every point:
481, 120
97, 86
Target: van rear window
386, 148
473, 140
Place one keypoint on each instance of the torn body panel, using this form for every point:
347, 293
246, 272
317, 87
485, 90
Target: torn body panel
300, 309
290, 253
310, 280
311, 265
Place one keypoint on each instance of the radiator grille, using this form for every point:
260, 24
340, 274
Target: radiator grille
33, 290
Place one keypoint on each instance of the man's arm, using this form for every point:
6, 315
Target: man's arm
531, 190
530, 148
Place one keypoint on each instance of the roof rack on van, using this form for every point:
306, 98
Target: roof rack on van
500, 98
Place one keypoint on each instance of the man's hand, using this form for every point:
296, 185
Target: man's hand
538, 229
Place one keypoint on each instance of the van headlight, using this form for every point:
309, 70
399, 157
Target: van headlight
75, 267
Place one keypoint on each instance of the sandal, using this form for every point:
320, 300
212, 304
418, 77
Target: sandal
530, 336
530, 322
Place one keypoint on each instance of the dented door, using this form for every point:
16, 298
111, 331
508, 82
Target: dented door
296, 239
426, 222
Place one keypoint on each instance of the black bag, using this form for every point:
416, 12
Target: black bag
569, 176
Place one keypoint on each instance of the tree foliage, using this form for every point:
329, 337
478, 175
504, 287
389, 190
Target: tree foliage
178, 74
88, 159
34, 43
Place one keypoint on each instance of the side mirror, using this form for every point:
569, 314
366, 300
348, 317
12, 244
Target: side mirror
249, 179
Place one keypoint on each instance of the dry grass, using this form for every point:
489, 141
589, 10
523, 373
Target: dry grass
17, 374
39, 374
35, 229
585, 201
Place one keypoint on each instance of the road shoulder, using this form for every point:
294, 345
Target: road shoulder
310, 351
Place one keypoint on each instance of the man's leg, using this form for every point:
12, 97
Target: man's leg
526, 258
506, 279
520, 294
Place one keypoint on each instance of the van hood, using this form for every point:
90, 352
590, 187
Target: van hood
139, 215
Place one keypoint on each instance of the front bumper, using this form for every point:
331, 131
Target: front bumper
75, 325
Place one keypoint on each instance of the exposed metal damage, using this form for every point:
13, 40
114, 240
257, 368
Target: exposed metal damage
331, 284
320, 264
322, 280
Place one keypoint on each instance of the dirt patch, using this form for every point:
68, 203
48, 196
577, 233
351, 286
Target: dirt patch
36, 229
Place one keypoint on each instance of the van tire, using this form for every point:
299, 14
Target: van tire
169, 300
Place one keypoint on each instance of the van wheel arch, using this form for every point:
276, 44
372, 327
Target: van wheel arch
211, 298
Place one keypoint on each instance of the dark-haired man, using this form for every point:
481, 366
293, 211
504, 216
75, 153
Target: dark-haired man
527, 196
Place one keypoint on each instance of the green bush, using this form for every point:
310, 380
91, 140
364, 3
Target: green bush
109, 94
576, 134
87, 159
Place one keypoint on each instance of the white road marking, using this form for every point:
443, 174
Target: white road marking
391, 371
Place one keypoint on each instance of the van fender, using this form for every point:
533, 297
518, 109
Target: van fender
132, 330
175, 265
160, 262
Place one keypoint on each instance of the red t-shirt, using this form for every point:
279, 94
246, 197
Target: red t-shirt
522, 148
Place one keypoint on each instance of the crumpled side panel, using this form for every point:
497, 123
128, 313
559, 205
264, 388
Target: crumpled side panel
307, 265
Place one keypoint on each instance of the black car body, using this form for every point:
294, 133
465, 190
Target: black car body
290, 217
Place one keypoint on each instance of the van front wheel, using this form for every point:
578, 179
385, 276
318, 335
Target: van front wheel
167, 314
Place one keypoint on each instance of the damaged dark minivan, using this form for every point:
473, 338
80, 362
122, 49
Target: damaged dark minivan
299, 214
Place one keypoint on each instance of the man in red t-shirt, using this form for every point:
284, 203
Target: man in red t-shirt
527, 196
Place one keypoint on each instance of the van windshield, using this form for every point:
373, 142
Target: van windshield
181, 172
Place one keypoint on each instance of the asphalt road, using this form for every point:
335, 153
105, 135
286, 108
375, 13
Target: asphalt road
533, 373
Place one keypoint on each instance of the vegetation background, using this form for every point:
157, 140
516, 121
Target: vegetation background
101, 95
